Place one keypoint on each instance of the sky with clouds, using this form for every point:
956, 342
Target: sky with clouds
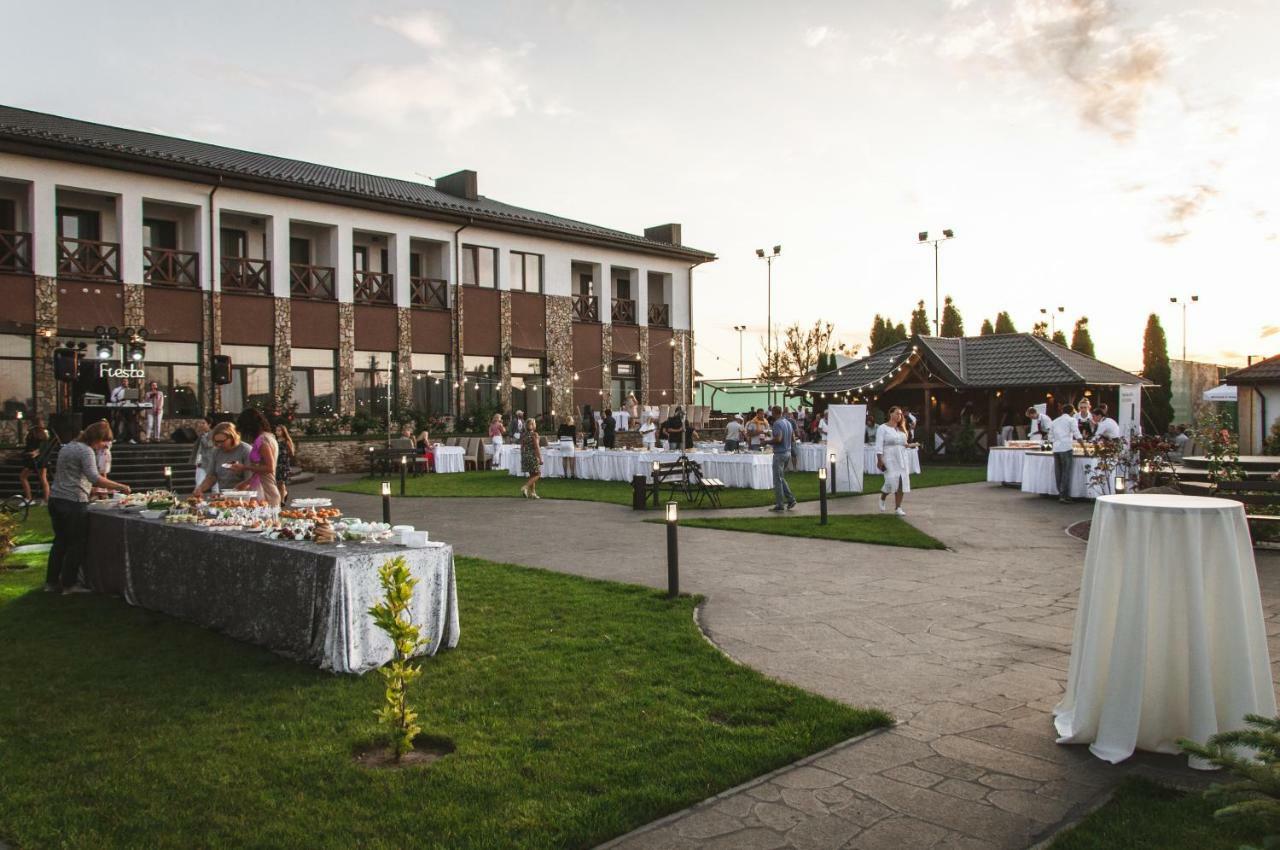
1096, 155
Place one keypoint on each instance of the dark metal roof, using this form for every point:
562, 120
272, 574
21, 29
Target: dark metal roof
980, 362
1263, 372
59, 137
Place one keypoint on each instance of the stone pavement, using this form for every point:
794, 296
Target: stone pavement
966, 648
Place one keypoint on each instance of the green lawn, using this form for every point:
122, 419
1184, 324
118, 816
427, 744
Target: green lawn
36, 529
499, 484
580, 710
1146, 816
883, 529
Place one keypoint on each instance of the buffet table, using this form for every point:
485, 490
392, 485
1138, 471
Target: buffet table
1170, 640
1038, 477
302, 600
1004, 465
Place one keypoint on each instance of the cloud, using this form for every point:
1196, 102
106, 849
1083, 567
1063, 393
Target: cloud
958, 4
1269, 330
1180, 208
817, 36
422, 28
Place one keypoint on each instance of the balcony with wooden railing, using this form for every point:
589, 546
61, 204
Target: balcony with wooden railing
375, 288
311, 282
15, 252
624, 311
171, 267
586, 308
245, 274
87, 259
660, 315
429, 292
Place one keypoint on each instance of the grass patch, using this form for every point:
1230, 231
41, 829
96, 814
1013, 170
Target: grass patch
36, 529
1145, 816
490, 484
580, 710
881, 529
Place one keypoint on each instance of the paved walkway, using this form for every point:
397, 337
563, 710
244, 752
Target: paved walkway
967, 649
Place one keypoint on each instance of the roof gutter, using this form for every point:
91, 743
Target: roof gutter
206, 320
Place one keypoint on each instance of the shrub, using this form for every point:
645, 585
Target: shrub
1272, 446
1218, 445
1257, 793
8, 531
964, 445
392, 615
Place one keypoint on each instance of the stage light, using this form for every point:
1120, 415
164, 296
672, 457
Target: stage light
923, 236
948, 233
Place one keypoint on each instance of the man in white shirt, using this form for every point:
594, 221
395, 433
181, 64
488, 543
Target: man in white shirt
1104, 427
1039, 428
1064, 432
733, 434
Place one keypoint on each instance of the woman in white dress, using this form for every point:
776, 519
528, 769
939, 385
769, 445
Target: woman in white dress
892, 459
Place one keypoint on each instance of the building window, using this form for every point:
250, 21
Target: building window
375, 372
250, 378
431, 383
160, 233
234, 243
175, 367
528, 386
483, 380
315, 381
626, 380
299, 251
16, 376
79, 224
526, 271
479, 266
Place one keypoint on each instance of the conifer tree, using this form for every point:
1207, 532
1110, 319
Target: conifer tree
1060, 338
952, 324
1080, 339
1157, 406
920, 321
1004, 323
987, 328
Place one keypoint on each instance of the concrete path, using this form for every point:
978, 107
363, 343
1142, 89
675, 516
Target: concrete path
967, 648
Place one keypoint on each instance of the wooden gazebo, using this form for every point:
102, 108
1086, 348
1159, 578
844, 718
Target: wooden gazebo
984, 382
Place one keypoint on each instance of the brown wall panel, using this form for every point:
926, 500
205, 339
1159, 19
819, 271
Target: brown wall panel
174, 315
84, 306
528, 323
661, 367
481, 321
315, 323
587, 350
248, 320
432, 331
375, 328
626, 341
17, 301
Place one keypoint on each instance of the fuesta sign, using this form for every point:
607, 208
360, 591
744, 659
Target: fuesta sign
106, 370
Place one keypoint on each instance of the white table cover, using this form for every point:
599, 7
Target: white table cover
1038, 477
449, 458
811, 457
1170, 640
869, 459
1004, 465
746, 470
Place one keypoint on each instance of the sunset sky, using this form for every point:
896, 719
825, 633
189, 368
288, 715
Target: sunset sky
1090, 154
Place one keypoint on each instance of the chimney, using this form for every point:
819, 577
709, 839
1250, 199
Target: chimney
669, 233
460, 184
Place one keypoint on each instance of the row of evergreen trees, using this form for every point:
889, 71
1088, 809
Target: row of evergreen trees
885, 333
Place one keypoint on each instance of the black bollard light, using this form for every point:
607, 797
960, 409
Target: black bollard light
386, 502
655, 483
168, 478
404, 467
832, 458
673, 550
822, 495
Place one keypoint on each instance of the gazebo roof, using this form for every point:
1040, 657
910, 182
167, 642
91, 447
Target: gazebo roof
995, 361
1263, 372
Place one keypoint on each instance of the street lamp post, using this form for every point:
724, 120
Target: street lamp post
1053, 316
739, 329
922, 238
768, 333
1184, 302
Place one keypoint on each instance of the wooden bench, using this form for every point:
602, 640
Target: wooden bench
684, 476
1251, 492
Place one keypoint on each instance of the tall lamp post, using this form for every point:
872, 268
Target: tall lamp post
768, 332
1053, 316
922, 238
1184, 302
739, 329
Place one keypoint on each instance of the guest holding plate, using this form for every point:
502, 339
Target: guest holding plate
229, 452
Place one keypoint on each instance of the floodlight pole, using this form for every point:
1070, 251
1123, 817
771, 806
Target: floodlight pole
922, 238
768, 332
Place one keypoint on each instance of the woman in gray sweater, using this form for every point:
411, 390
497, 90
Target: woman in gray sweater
77, 474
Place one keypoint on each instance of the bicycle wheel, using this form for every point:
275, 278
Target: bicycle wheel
16, 505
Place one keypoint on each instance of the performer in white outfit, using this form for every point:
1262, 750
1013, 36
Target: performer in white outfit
893, 460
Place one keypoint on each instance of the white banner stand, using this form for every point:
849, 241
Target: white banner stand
1129, 416
846, 435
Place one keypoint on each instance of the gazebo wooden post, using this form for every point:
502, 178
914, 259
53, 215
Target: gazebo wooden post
928, 423
992, 424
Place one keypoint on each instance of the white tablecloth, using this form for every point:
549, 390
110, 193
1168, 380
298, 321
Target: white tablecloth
1169, 637
1004, 466
1037, 476
449, 458
747, 470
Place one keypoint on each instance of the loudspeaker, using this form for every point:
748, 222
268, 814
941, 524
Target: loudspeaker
221, 369
66, 425
66, 363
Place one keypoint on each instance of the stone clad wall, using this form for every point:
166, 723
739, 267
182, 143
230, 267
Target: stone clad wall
282, 352
332, 456
560, 352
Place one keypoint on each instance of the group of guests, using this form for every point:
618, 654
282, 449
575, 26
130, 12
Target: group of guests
753, 431
1070, 427
247, 454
